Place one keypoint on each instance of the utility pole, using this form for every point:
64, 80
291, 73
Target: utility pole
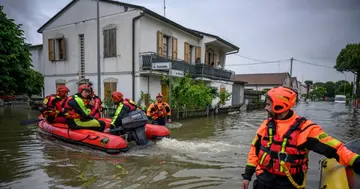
291, 65
98, 48
164, 8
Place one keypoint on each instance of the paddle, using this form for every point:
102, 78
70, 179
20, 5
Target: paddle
29, 121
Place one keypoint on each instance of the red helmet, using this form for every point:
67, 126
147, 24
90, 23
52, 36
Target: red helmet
84, 87
282, 98
117, 96
62, 90
159, 95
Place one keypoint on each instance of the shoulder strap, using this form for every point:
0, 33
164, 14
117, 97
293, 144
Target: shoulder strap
295, 126
271, 130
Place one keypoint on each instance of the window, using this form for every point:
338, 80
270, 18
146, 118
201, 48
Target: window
110, 42
165, 46
210, 57
109, 87
56, 49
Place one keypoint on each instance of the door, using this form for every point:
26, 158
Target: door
165, 92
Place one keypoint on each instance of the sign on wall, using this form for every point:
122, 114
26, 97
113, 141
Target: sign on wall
161, 66
177, 73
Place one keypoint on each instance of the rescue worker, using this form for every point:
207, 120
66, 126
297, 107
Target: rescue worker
51, 108
124, 106
159, 110
280, 149
78, 115
94, 104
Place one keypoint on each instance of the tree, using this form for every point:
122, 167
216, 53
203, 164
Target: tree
16, 75
308, 83
330, 89
349, 60
318, 92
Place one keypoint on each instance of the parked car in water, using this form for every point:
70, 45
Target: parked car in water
340, 99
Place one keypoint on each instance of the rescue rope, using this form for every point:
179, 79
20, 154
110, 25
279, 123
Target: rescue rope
287, 173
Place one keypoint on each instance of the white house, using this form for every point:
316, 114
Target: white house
263, 81
133, 40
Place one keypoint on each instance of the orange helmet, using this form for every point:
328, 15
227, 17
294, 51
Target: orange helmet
159, 95
117, 96
84, 87
282, 98
62, 90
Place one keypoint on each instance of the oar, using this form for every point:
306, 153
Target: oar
29, 121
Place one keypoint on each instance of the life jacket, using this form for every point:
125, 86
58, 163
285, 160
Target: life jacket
49, 105
159, 111
70, 112
274, 149
130, 103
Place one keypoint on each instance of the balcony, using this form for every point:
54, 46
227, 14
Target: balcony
195, 70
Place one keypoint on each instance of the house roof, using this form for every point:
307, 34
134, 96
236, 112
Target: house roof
262, 78
145, 10
218, 38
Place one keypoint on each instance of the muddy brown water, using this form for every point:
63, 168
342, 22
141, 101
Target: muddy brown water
207, 152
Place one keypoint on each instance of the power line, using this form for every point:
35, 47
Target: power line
313, 64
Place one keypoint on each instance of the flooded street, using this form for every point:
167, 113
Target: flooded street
208, 152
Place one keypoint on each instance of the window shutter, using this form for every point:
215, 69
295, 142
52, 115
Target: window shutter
207, 57
159, 43
113, 42
63, 47
107, 89
186, 52
51, 49
174, 48
198, 53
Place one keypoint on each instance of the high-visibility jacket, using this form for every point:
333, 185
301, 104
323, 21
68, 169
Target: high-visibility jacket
124, 107
75, 108
281, 147
158, 110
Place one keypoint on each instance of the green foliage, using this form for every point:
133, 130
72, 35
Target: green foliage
318, 92
349, 60
190, 94
15, 60
34, 84
142, 98
330, 89
223, 97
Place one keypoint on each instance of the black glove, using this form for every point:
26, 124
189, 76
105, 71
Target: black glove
356, 166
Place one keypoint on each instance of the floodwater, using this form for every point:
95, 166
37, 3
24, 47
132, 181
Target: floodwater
208, 152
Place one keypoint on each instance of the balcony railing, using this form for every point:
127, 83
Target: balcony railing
195, 70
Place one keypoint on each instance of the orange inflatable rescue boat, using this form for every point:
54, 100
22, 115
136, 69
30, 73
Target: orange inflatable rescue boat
135, 128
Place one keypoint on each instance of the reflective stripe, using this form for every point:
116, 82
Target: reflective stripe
81, 103
252, 165
263, 157
270, 137
283, 145
353, 159
118, 110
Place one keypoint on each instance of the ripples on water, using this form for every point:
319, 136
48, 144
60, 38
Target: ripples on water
208, 152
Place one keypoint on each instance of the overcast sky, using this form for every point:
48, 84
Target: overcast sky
265, 30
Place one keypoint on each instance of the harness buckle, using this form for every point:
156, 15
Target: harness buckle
281, 156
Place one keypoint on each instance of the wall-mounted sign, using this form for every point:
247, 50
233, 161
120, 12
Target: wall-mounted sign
177, 73
161, 66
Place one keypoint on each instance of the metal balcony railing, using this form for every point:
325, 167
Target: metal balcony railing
195, 70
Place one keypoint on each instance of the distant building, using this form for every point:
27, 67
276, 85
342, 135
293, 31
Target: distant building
265, 81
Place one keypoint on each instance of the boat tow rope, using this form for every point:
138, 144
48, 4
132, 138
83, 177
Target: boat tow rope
287, 173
